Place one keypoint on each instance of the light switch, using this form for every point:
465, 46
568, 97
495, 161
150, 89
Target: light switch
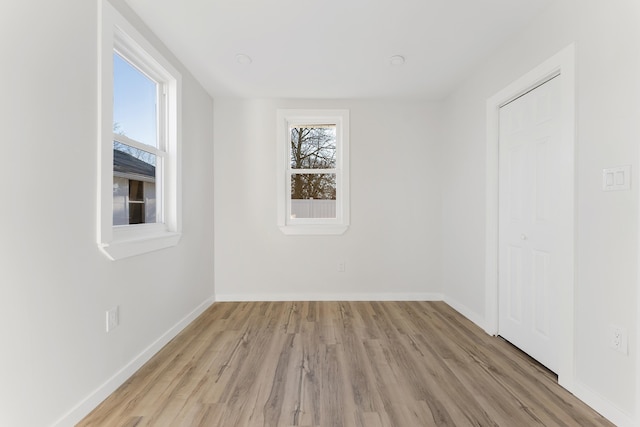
608, 179
616, 178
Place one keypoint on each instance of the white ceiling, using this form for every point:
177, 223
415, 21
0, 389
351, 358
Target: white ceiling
333, 48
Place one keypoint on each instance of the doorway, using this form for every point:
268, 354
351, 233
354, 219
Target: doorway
559, 319
535, 217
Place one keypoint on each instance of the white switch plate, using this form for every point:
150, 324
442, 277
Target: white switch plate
617, 178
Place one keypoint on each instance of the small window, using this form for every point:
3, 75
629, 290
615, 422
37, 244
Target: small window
139, 108
314, 181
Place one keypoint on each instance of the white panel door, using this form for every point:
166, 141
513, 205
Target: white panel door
535, 221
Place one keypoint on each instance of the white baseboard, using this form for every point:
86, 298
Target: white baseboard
89, 403
602, 406
330, 297
466, 312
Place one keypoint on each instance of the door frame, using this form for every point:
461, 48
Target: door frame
562, 63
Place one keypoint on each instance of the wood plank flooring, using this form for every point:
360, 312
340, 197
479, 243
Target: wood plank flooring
331, 364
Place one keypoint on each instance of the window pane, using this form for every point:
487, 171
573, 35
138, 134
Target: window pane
134, 103
120, 204
313, 195
134, 185
313, 147
136, 213
136, 191
150, 202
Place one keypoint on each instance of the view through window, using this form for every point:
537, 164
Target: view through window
135, 142
313, 174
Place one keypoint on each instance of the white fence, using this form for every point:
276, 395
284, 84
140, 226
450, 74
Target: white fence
313, 208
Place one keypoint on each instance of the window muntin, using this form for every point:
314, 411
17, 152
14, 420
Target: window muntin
313, 191
139, 115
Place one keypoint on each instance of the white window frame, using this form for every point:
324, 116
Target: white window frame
115, 33
287, 118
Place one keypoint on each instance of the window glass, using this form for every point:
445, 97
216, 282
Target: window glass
320, 186
134, 185
149, 159
136, 208
135, 98
313, 195
313, 147
136, 191
120, 202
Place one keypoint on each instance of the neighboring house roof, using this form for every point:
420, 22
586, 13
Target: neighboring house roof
126, 164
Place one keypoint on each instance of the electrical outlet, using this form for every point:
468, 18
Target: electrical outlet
618, 339
113, 318
342, 267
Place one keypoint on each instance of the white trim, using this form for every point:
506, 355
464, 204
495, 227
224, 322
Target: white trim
125, 248
89, 403
382, 296
123, 139
637, 344
313, 226
465, 311
135, 177
313, 229
603, 406
114, 30
562, 63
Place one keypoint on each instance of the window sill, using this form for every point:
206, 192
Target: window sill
316, 229
132, 245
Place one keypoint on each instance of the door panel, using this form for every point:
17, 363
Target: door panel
516, 167
541, 318
542, 189
535, 221
515, 284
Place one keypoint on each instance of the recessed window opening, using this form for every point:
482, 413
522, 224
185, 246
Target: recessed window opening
139, 165
313, 188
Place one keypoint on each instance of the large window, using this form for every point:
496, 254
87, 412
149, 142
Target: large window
137, 144
313, 185
139, 129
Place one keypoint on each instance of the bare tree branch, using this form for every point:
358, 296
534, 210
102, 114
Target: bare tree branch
313, 148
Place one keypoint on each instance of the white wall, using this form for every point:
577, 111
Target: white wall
607, 36
391, 250
55, 285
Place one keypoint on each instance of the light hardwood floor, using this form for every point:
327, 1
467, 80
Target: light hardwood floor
330, 364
